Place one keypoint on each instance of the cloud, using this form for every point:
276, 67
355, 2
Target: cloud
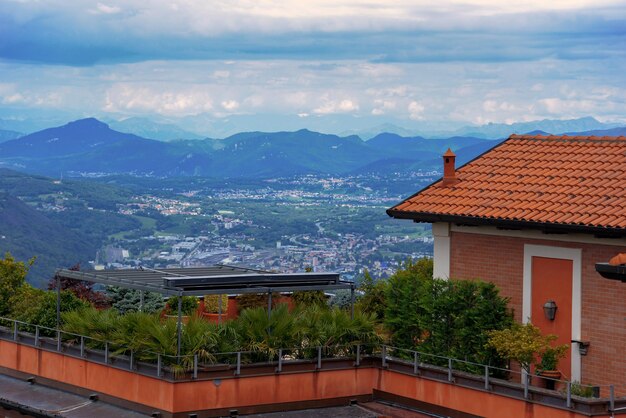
75, 33
342, 106
104, 9
230, 105
416, 110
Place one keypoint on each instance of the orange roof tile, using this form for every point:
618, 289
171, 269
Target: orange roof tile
534, 179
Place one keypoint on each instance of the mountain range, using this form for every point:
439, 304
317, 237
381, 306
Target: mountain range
91, 147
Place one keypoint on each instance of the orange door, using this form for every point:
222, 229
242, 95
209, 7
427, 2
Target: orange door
552, 279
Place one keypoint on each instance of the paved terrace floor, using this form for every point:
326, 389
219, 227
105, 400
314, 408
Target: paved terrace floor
45, 401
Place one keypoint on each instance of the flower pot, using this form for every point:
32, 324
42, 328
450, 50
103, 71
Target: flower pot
550, 377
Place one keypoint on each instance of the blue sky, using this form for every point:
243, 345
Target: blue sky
404, 62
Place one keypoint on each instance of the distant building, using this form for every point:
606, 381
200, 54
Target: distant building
533, 215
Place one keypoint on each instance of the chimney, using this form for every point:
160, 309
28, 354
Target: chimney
449, 172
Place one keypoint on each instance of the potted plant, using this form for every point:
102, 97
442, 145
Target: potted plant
547, 366
526, 345
189, 307
550, 360
212, 308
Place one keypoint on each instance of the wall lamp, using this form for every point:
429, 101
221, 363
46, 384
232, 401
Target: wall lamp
549, 310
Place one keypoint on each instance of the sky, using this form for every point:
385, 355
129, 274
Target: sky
299, 62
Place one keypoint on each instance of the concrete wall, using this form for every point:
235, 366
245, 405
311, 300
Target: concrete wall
195, 396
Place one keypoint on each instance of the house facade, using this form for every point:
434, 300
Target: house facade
534, 215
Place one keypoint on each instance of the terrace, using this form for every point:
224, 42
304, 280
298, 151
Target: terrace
352, 365
42, 352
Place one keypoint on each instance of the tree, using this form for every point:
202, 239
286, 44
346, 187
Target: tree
129, 300
449, 318
373, 298
12, 278
525, 344
81, 289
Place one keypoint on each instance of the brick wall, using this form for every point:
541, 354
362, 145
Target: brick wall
500, 260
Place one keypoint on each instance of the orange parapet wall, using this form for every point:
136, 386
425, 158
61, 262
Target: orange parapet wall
246, 391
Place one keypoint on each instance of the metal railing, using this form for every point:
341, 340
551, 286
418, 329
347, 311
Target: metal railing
314, 358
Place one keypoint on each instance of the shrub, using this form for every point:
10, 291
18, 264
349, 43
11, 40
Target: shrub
12, 277
449, 318
309, 298
189, 305
129, 300
373, 296
212, 303
524, 344
255, 300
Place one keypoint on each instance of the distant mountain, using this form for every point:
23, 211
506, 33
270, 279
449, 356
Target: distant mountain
88, 145
402, 146
149, 129
621, 131
288, 153
8, 135
91, 147
502, 130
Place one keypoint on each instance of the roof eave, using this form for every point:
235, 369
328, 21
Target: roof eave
546, 227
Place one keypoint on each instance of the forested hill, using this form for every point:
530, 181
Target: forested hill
27, 232
62, 223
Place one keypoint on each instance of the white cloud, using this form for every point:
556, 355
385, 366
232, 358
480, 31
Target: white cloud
343, 106
416, 110
230, 105
102, 8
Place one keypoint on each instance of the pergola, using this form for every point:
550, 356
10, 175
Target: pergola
199, 281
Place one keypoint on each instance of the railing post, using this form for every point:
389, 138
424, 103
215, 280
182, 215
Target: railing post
526, 381
486, 377
449, 369
384, 356
195, 366
319, 358
611, 398
36, 335
416, 358
280, 360
238, 370
14, 330
158, 365
569, 394
58, 340
82, 346
132, 360
106, 352
358, 355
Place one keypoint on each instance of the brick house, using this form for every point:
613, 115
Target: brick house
533, 215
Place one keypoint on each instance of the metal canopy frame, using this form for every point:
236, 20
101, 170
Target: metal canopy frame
199, 281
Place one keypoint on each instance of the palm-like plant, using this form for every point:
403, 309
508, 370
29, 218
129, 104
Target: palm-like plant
263, 333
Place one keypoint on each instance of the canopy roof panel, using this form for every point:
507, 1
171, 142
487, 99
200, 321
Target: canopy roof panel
198, 281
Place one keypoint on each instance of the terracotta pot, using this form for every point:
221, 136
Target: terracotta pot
550, 374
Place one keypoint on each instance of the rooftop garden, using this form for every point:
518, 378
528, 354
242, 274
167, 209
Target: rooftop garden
413, 312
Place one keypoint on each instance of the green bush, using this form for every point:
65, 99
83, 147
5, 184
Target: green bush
309, 298
189, 305
450, 318
129, 300
255, 300
12, 277
212, 303
373, 296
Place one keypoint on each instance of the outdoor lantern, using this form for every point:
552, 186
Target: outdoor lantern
549, 310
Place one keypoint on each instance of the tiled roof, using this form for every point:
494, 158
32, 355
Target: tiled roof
548, 180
